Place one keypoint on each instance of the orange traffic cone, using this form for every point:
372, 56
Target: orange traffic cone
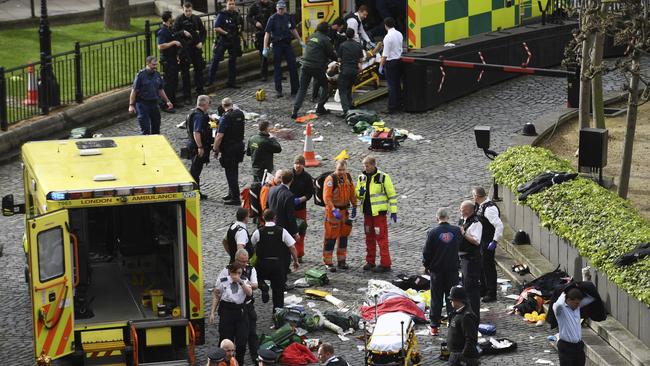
309, 154
32, 88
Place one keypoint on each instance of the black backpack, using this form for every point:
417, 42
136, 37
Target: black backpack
319, 183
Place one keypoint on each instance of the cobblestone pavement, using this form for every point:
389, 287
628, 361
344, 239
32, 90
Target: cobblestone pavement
438, 170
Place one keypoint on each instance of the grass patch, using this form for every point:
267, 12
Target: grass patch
21, 46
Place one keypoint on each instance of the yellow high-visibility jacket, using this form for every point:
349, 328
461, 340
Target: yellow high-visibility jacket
382, 193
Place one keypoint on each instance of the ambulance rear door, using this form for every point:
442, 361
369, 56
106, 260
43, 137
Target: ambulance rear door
317, 11
51, 282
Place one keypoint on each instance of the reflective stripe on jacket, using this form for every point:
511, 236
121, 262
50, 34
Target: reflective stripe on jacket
381, 191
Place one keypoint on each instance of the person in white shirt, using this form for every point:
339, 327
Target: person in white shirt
355, 21
570, 348
469, 253
390, 64
229, 296
488, 212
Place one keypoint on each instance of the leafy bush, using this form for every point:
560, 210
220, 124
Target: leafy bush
601, 225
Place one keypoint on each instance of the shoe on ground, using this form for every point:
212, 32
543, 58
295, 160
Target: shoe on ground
181, 125
265, 297
232, 202
434, 331
343, 265
381, 269
289, 286
489, 298
368, 266
202, 196
294, 115
342, 115
227, 197
323, 111
279, 94
330, 267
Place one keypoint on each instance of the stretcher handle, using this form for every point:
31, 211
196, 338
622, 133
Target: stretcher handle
75, 247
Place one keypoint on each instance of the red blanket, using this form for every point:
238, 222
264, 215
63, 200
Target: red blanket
391, 305
297, 354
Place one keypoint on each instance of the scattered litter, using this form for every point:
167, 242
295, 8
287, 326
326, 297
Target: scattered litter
318, 157
531, 337
415, 137
544, 362
360, 348
311, 305
484, 310
343, 338
335, 290
318, 139
333, 106
327, 124
512, 297
344, 310
301, 283
251, 116
427, 141
405, 196
307, 117
300, 332
292, 300
547, 351
502, 280
362, 289
312, 343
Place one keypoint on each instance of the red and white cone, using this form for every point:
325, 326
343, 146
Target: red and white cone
308, 153
32, 87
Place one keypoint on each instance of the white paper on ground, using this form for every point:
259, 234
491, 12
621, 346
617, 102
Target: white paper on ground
502, 280
333, 106
544, 362
512, 297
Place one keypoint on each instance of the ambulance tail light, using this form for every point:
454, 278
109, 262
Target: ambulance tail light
166, 189
104, 193
187, 187
142, 190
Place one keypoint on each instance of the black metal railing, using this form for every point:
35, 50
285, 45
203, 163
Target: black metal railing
90, 69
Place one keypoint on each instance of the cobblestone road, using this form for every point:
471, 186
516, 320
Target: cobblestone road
438, 170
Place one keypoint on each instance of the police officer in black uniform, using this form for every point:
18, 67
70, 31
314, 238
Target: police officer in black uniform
271, 243
469, 253
463, 329
200, 135
147, 89
169, 47
228, 26
488, 212
191, 29
230, 143
258, 15
229, 297
350, 57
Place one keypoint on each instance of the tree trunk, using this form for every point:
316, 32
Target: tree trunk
585, 87
598, 107
632, 106
117, 15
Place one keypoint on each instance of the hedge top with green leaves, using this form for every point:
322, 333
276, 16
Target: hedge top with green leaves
600, 224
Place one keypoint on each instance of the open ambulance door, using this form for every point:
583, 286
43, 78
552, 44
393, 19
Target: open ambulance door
51, 284
316, 11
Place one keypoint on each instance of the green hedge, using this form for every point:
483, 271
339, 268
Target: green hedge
601, 225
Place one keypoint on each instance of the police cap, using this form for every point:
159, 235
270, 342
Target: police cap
458, 293
217, 355
281, 4
267, 356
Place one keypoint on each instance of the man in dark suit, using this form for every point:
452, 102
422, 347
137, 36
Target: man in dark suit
281, 201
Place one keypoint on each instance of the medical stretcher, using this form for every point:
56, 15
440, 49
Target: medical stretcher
393, 342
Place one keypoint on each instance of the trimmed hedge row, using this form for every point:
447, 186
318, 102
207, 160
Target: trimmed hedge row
601, 225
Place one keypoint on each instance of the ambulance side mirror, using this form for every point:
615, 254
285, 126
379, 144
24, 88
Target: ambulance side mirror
9, 208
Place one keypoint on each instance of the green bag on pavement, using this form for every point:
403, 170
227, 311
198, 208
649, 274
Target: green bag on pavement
316, 277
280, 339
361, 126
343, 320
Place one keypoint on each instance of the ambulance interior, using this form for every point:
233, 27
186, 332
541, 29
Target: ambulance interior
124, 252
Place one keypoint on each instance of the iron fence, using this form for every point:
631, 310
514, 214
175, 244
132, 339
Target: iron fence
90, 69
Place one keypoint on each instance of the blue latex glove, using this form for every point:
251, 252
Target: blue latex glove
362, 191
302, 44
337, 213
492, 246
381, 70
265, 52
372, 44
354, 212
393, 217
297, 201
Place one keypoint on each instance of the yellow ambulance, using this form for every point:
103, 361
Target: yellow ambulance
113, 250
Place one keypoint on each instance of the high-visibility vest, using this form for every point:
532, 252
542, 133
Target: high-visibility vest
381, 191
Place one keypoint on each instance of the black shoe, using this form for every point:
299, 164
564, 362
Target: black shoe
321, 112
289, 286
342, 115
330, 267
381, 269
203, 196
279, 94
265, 297
294, 115
368, 266
227, 197
489, 298
343, 265
232, 86
232, 202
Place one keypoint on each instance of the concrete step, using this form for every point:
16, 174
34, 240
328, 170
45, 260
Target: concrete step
606, 343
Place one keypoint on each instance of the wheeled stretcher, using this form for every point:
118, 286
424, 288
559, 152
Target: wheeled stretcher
393, 342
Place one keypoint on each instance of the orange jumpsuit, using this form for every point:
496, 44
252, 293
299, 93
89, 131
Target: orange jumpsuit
339, 196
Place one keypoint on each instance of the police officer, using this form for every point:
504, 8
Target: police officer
258, 15
147, 88
463, 329
488, 212
191, 28
249, 273
469, 253
266, 357
261, 148
279, 31
350, 57
229, 296
271, 242
200, 138
228, 26
230, 143
317, 54
377, 194
440, 260
169, 47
